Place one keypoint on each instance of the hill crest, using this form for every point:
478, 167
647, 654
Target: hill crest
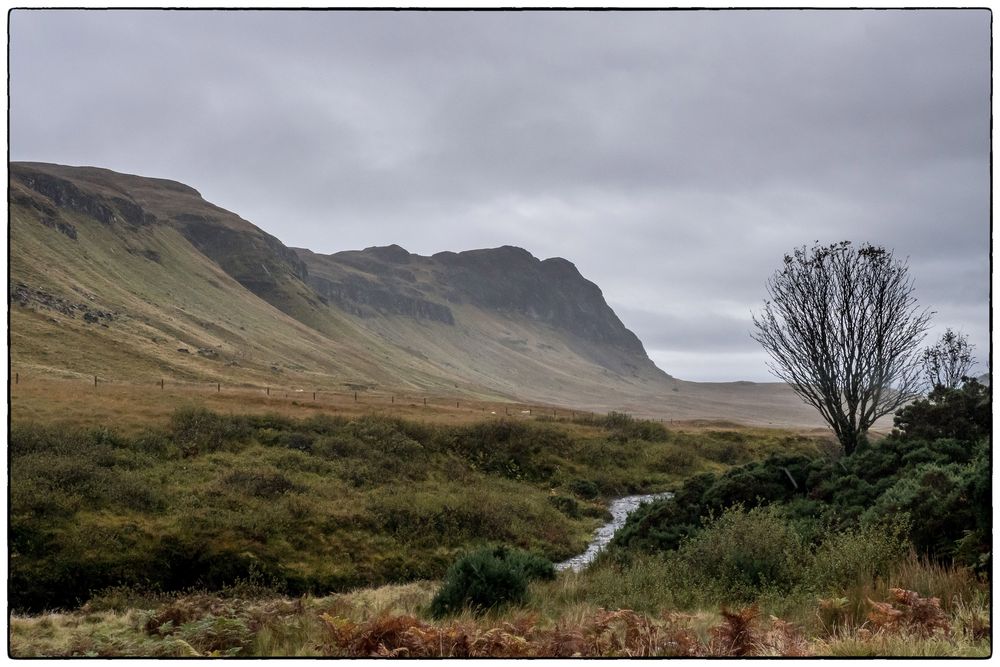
493, 320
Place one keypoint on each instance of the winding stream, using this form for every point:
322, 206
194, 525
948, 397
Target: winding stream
620, 508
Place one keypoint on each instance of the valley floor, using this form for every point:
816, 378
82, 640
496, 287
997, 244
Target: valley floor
207, 487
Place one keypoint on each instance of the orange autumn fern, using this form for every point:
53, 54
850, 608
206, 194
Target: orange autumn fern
921, 615
622, 632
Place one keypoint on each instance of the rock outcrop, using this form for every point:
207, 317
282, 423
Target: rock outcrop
506, 280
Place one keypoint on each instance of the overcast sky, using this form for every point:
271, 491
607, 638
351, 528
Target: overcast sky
674, 157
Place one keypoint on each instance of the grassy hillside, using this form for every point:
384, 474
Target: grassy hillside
133, 279
126, 303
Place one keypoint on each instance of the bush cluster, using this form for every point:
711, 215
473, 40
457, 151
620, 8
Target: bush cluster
938, 486
489, 578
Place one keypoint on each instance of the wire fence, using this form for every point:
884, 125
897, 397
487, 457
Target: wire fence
321, 396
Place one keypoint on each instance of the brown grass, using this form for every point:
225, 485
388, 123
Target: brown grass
131, 406
603, 633
389, 622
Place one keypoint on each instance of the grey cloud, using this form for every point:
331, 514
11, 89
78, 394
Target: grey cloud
691, 332
673, 156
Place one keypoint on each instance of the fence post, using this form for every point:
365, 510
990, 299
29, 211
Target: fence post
161, 384
456, 404
506, 411
393, 399
17, 378
355, 397
268, 390
314, 395
218, 387
95, 380
425, 401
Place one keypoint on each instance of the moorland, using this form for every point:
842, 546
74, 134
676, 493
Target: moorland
223, 446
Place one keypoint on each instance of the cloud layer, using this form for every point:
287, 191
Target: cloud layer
673, 156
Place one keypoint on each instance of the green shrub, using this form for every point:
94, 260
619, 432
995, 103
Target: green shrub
858, 555
936, 498
488, 578
747, 552
324, 424
198, 430
676, 460
962, 414
584, 488
385, 436
510, 449
338, 445
618, 420
663, 524
566, 505
647, 430
729, 453
625, 427
259, 484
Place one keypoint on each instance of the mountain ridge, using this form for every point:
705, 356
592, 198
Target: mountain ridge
388, 279
136, 278
376, 282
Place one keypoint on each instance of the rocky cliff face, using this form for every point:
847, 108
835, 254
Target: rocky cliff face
506, 280
259, 261
51, 192
552, 291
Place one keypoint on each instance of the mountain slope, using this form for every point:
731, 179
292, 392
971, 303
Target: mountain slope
172, 272
134, 278
99, 242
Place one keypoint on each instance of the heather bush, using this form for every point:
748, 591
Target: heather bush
489, 578
584, 488
198, 430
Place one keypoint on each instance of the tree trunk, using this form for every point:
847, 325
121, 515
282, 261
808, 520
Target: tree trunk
852, 438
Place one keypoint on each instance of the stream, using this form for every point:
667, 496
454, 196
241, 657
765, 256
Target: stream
620, 508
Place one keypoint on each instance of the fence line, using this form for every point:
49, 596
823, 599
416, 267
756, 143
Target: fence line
363, 397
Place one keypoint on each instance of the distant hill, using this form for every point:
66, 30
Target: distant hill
134, 278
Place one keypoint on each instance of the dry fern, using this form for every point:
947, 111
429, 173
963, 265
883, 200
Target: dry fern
735, 636
920, 615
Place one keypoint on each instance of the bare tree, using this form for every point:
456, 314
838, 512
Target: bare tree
843, 329
948, 362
